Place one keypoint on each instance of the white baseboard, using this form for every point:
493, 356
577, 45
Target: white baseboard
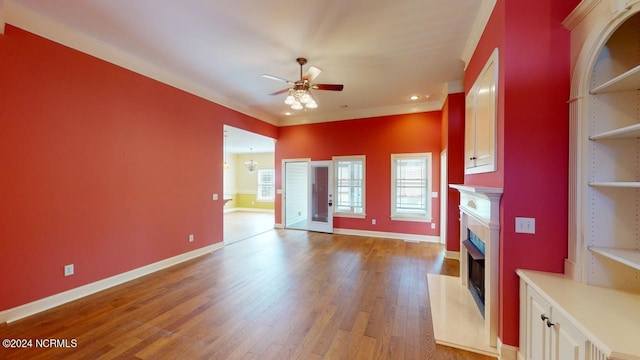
507, 352
278, 226
22, 311
454, 255
388, 235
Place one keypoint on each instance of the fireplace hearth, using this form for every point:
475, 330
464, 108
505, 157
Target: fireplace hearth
480, 251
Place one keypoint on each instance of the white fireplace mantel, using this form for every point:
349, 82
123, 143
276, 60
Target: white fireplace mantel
483, 203
480, 212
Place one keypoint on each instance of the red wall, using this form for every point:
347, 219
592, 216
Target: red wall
101, 167
453, 112
377, 138
532, 139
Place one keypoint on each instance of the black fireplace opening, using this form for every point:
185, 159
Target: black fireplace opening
475, 254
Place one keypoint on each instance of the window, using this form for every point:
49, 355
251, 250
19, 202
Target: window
410, 184
266, 189
349, 186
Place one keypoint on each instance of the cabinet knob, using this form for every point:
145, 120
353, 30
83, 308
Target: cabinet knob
550, 324
472, 158
544, 317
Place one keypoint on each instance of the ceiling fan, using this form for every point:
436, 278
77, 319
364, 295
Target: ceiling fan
299, 92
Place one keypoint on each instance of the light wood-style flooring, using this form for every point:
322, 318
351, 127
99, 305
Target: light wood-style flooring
241, 225
284, 294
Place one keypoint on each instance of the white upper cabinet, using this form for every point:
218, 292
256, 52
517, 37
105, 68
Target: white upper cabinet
481, 120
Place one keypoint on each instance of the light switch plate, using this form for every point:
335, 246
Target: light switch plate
525, 225
69, 270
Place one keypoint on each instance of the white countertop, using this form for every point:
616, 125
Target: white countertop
609, 318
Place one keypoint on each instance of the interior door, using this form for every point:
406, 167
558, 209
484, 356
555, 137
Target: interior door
296, 194
444, 194
320, 214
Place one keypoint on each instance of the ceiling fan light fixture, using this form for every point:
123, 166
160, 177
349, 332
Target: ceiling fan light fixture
299, 95
305, 98
290, 100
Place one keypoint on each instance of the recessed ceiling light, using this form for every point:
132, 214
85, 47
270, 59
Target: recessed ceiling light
287, 113
415, 97
428, 96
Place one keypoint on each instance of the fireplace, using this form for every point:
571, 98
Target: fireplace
480, 251
475, 261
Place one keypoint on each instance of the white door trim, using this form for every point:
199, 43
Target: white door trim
321, 226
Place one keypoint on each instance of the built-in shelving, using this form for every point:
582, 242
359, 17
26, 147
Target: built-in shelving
627, 132
627, 81
628, 257
612, 199
616, 184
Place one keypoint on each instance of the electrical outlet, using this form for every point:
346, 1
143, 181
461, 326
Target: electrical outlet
190, 237
433, 225
215, 196
373, 221
525, 225
68, 270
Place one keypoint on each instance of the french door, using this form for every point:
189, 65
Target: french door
320, 214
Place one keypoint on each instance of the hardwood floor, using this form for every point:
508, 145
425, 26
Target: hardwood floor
284, 294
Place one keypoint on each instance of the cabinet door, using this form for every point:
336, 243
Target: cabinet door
537, 347
486, 118
567, 343
481, 120
470, 130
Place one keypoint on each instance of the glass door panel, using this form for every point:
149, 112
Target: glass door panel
321, 196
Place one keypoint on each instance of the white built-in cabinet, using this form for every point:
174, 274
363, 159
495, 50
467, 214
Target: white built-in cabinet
562, 319
552, 335
593, 310
480, 120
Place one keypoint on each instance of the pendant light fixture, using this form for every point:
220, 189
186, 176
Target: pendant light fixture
251, 164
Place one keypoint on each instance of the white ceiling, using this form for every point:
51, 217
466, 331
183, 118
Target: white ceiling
238, 141
382, 51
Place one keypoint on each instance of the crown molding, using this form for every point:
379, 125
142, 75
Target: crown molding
47, 28
434, 105
486, 8
579, 13
1, 17
454, 87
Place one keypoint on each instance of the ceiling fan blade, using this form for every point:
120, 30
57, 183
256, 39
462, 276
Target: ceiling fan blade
279, 92
312, 73
276, 78
331, 87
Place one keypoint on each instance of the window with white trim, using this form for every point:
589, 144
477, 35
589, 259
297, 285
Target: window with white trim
349, 186
410, 184
266, 188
